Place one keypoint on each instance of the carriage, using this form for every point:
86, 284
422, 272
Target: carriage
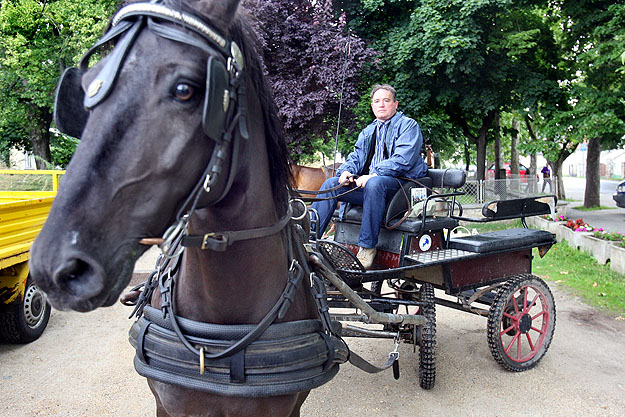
181, 147
488, 274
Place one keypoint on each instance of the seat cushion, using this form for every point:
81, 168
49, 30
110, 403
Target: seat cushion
502, 240
354, 215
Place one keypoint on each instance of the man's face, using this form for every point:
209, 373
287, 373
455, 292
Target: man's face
383, 105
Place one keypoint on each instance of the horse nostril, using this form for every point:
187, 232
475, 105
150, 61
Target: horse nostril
79, 278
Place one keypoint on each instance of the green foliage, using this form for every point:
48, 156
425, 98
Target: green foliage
37, 41
454, 62
62, 148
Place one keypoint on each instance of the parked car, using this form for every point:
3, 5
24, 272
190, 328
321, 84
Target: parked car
523, 171
619, 195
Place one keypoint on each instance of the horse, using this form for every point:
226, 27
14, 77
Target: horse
181, 146
311, 178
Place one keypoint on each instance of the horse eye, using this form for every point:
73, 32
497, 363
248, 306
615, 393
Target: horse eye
184, 91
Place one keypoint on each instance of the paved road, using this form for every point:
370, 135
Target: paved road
82, 366
612, 220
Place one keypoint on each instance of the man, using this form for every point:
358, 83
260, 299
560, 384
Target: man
389, 148
546, 177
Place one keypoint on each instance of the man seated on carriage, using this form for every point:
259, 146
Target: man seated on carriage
386, 151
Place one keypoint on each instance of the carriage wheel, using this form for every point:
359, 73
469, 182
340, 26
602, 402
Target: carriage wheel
521, 322
426, 338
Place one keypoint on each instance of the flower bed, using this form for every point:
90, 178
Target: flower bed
579, 226
617, 238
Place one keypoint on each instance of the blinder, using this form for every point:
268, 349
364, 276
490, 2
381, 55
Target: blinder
70, 115
216, 99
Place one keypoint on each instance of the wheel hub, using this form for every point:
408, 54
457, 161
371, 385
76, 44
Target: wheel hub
34, 305
525, 324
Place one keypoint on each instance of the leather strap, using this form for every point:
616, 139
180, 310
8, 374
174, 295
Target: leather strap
219, 241
368, 367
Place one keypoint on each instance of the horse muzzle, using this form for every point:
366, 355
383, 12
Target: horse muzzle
72, 281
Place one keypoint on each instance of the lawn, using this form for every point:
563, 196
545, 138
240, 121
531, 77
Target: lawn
582, 276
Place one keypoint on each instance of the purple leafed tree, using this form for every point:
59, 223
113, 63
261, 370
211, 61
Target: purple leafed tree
304, 46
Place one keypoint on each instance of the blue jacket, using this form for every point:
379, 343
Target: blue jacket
403, 143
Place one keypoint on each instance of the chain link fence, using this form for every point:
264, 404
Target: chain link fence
483, 191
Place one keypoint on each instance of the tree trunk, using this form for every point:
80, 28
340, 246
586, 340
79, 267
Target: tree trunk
39, 136
482, 141
499, 165
467, 155
514, 141
531, 177
557, 173
592, 197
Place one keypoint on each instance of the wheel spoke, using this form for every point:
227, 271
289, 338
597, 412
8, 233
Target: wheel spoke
524, 291
529, 340
515, 338
537, 330
532, 303
514, 303
539, 314
507, 330
511, 317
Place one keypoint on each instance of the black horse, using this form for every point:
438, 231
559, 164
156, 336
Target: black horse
181, 130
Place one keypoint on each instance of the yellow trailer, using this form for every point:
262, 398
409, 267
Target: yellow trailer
24, 309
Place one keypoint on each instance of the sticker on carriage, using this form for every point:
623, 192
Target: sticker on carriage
425, 243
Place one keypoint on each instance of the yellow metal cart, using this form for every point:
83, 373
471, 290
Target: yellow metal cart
24, 309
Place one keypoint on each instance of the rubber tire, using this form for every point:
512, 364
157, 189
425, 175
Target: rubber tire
14, 326
496, 320
427, 339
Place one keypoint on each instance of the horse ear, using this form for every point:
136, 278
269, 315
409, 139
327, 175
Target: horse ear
221, 12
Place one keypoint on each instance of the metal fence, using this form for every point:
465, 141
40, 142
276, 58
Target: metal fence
482, 191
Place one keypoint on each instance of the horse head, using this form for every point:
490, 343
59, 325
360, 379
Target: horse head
163, 124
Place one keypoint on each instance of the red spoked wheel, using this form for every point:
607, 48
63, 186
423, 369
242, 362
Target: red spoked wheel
521, 322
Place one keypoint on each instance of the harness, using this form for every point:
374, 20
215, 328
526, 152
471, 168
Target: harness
259, 360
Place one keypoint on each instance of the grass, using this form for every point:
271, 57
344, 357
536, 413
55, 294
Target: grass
23, 182
580, 274
582, 208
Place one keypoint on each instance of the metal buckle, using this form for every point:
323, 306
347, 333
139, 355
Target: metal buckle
215, 236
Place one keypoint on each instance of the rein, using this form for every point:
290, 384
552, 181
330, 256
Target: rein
317, 192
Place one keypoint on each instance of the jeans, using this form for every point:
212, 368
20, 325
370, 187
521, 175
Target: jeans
377, 193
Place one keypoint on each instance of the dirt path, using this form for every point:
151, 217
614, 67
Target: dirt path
82, 366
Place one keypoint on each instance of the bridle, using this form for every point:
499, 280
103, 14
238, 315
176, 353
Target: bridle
225, 107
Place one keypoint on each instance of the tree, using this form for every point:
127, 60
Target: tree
588, 105
472, 60
37, 41
310, 59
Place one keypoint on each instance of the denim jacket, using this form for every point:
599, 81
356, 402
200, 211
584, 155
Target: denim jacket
403, 143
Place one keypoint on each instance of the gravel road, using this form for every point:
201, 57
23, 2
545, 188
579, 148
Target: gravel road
82, 366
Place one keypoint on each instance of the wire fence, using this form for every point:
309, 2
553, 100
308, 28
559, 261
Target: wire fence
482, 191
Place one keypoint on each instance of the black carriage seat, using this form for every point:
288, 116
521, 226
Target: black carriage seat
436, 178
502, 240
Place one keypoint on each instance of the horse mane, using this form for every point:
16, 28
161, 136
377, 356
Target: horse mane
243, 34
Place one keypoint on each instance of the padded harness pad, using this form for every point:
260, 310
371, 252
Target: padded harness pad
502, 240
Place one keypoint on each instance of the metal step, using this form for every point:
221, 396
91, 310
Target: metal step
439, 256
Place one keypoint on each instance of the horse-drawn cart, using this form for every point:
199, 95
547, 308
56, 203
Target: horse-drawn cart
24, 309
488, 274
